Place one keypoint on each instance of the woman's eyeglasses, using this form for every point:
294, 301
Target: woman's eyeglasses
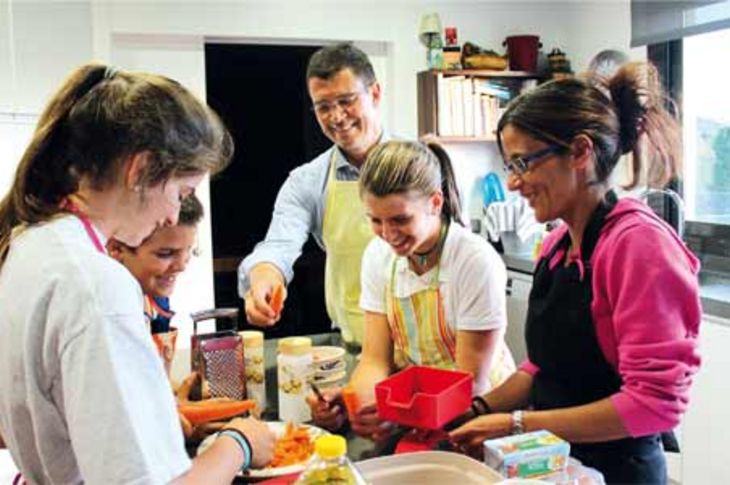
520, 165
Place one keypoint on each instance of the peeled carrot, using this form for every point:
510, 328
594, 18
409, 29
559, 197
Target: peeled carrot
216, 410
351, 400
294, 447
277, 299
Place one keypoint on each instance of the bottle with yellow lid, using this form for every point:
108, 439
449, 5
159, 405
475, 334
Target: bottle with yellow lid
253, 358
331, 465
294, 365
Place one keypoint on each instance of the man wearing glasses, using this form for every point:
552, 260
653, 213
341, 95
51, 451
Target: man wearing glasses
321, 197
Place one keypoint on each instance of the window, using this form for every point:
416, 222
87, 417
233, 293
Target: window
706, 127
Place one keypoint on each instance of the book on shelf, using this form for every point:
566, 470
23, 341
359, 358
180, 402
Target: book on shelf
469, 106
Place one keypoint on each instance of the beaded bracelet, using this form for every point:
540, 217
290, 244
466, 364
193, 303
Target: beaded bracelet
243, 442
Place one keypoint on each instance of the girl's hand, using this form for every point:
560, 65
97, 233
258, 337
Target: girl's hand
329, 415
367, 424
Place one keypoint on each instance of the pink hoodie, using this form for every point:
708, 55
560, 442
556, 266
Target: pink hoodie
647, 312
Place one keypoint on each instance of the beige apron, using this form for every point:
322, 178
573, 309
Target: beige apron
346, 232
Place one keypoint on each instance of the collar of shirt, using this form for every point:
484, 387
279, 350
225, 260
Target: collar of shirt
344, 169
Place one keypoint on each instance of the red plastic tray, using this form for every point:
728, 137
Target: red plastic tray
424, 397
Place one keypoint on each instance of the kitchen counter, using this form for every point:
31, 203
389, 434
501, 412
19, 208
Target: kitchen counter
714, 288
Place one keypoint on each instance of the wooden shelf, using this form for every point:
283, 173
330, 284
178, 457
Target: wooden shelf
486, 73
465, 139
466, 101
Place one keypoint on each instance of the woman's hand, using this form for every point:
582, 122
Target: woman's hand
367, 423
330, 414
260, 436
471, 435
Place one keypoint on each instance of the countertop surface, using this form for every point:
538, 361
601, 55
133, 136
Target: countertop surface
714, 288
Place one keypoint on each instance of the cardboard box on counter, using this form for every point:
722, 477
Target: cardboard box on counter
527, 455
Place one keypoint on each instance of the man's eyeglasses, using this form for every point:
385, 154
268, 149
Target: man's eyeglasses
521, 164
344, 102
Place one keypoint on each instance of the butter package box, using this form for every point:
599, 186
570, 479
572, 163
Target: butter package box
527, 455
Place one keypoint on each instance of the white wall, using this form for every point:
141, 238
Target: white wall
706, 425
48, 39
41, 40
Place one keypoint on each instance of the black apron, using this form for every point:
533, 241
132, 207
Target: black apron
562, 342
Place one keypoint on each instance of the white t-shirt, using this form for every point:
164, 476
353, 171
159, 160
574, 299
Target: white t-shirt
84, 395
472, 279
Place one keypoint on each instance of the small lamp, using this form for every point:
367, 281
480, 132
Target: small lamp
429, 33
430, 29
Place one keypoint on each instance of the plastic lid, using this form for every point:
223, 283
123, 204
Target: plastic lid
253, 338
330, 446
295, 345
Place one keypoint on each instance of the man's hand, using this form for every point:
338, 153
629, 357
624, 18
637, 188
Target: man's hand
265, 281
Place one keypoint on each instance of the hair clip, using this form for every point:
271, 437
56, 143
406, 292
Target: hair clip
110, 72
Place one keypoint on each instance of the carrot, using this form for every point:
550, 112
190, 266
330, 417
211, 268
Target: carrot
277, 299
186, 426
204, 412
294, 447
351, 400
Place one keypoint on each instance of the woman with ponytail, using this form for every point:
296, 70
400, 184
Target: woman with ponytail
433, 293
614, 311
85, 398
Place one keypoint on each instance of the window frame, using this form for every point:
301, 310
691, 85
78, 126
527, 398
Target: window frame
709, 241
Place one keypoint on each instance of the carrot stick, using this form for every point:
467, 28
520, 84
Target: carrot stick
214, 411
294, 447
277, 299
351, 400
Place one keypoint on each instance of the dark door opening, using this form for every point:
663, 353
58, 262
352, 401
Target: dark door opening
260, 93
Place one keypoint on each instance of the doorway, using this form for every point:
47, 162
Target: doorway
260, 93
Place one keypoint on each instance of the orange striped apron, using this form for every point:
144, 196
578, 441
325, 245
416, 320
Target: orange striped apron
422, 336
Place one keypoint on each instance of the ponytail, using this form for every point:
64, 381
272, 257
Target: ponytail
639, 101
44, 174
452, 200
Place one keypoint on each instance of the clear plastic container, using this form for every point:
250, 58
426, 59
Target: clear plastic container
331, 465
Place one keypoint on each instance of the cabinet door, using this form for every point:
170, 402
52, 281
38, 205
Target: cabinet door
706, 426
518, 292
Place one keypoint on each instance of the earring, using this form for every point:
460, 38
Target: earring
137, 188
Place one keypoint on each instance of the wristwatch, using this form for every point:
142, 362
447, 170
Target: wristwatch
518, 423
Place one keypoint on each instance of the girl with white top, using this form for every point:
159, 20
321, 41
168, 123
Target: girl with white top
85, 397
433, 292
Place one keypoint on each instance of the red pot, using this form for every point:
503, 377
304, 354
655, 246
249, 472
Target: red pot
522, 52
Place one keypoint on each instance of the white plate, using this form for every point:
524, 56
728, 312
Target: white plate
330, 379
326, 353
278, 428
339, 366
